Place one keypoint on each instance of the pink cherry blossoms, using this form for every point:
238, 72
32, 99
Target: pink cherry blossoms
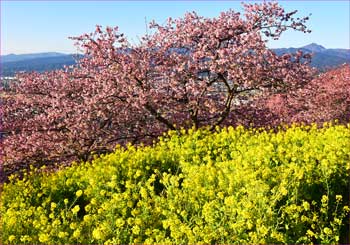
191, 72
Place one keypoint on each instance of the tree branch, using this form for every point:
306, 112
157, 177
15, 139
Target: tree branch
159, 117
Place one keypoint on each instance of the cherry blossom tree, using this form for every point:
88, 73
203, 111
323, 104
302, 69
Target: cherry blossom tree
325, 98
191, 72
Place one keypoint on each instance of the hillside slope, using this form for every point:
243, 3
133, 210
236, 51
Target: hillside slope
231, 186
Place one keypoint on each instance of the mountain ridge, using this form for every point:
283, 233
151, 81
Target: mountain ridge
19, 57
323, 59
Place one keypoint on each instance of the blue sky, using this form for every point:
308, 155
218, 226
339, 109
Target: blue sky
43, 26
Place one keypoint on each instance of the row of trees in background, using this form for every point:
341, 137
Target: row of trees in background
190, 72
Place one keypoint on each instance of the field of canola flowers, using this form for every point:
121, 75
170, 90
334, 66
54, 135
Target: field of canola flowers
235, 185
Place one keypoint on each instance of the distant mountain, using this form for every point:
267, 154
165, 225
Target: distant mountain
11, 64
314, 47
21, 57
323, 58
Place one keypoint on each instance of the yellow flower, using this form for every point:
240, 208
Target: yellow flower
306, 206
324, 199
76, 209
339, 198
87, 218
73, 226
56, 222
137, 174
119, 222
12, 221
310, 233
327, 231
143, 192
11, 238
62, 234
76, 233
66, 201
93, 201
284, 191
136, 229
25, 238
96, 233
87, 208
79, 193
44, 238
221, 195
249, 225
53, 205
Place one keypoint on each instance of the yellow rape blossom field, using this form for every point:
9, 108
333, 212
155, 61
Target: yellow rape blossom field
234, 185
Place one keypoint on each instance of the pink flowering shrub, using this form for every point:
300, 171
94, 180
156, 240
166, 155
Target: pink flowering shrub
325, 98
